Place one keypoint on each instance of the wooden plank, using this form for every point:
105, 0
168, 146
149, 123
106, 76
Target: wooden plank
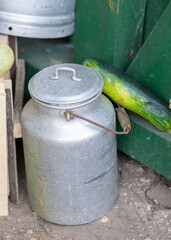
12, 161
147, 145
19, 95
110, 30
128, 31
4, 39
154, 10
14, 46
6, 76
152, 68
3, 154
3, 143
152, 64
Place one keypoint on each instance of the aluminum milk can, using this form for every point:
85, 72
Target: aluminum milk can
71, 165
37, 18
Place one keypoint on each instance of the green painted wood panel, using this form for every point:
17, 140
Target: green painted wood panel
152, 65
154, 10
110, 30
152, 68
148, 145
128, 31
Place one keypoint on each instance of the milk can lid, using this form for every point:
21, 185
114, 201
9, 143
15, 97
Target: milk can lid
66, 85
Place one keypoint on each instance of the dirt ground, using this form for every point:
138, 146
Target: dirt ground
142, 211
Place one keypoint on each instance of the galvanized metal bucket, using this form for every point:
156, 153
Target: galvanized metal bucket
37, 18
71, 165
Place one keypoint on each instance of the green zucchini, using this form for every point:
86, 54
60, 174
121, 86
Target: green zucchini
6, 58
126, 91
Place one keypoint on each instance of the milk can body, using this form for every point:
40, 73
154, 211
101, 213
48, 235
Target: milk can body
71, 165
37, 19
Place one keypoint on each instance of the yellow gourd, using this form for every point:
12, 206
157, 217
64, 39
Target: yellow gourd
126, 91
6, 58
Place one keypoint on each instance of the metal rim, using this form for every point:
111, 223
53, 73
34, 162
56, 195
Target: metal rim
37, 26
64, 107
37, 32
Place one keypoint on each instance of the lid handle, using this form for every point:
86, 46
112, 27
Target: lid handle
74, 78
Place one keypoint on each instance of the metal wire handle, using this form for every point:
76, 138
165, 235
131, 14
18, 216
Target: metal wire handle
74, 78
69, 114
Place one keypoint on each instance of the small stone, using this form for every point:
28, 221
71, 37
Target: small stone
142, 180
140, 170
33, 239
34, 214
160, 194
147, 239
148, 181
104, 219
148, 207
125, 194
29, 232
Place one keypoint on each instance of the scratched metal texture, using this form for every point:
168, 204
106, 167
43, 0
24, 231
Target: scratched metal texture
71, 166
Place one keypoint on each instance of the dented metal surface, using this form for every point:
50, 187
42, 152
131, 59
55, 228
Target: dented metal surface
71, 166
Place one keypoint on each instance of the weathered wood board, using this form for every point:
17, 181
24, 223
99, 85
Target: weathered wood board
152, 68
110, 30
152, 65
12, 177
148, 145
3, 154
12, 160
154, 10
19, 96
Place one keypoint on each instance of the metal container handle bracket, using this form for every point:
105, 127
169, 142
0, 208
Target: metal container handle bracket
74, 78
122, 117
